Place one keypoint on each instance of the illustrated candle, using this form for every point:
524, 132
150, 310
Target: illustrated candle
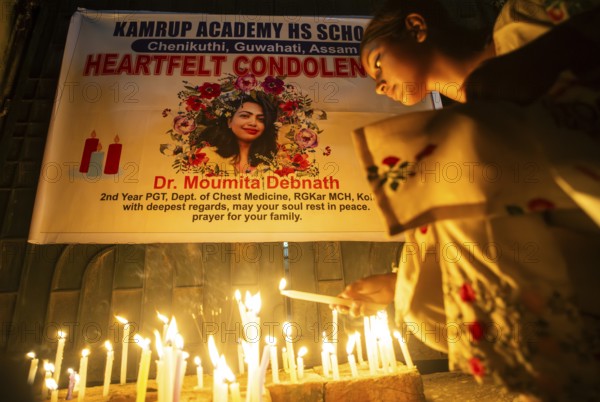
32, 368
125, 348
60, 349
301, 352
351, 359
96, 162
83, 363
199, 372
110, 356
142, 378
113, 157
91, 145
272, 342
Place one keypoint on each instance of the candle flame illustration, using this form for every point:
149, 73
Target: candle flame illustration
93, 134
117, 139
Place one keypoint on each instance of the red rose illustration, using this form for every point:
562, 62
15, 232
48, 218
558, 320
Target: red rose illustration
273, 85
301, 161
477, 367
284, 171
540, 204
476, 330
194, 103
289, 107
466, 292
390, 161
246, 83
209, 91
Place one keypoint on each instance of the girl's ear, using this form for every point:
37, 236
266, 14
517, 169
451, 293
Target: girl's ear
229, 123
416, 26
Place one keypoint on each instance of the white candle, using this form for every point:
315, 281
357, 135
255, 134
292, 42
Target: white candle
371, 347
199, 373
53, 387
83, 363
142, 378
325, 362
272, 342
404, 349
60, 349
334, 363
125, 349
287, 327
264, 363
110, 357
234, 390
240, 351
359, 352
301, 352
32, 368
49, 371
284, 360
351, 360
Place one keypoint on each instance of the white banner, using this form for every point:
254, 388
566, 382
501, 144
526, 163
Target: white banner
208, 128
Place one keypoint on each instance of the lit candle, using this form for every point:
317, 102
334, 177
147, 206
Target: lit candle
234, 390
73, 382
96, 162
240, 351
284, 360
142, 378
199, 373
241, 307
334, 362
404, 349
219, 385
53, 387
83, 363
32, 368
253, 305
49, 370
359, 352
301, 352
371, 347
272, 342
165, 322
91, 145
125, 349
351, 360
59, 355
262, 373
160, 367
110, 356
325, 356
287, 327
113, 157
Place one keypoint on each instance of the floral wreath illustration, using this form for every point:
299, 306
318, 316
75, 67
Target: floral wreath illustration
202, 106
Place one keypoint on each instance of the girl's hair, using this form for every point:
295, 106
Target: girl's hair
220, 135
457, 28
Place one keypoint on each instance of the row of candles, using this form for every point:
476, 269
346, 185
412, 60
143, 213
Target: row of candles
172, 359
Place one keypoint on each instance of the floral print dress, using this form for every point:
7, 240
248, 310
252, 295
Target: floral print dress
500, 208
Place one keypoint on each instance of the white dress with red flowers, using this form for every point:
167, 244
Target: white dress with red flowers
499, 204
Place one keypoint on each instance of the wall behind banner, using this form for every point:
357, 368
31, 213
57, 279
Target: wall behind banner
81, 286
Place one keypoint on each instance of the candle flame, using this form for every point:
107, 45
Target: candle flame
213, 351
253, 303
31, 354
143, 343
108, 345
350, 345
62, 335
237, 295
302, 351
399, 336
357, 335
197, 360
171, 330
225, 370
179, 341
85, 352
122, 320
163, 318
51, 384
270, 340
48, 366
282, 284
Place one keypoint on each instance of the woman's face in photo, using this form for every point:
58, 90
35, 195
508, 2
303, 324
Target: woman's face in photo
248, 122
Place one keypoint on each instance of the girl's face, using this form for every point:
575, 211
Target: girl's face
248, 122
400, 69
